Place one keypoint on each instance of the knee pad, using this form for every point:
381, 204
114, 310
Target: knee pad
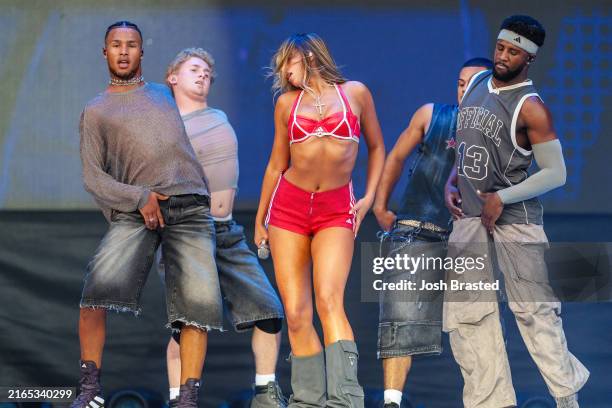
271, 326
176, 335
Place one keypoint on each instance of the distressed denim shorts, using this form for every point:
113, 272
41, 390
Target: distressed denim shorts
248, 296
411, 323
121, 264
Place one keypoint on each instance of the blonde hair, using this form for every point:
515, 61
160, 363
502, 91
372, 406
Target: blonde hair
184, 55
316, 58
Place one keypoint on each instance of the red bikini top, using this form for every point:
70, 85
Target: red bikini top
341, 125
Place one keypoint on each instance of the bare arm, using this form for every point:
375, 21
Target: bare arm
376, 149
394, 164
536, 119
278, 163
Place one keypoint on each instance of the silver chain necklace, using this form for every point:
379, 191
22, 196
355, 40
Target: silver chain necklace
126, 82
317, 101
319, 106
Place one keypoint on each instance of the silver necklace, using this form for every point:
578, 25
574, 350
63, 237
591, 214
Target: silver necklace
126, 82
318, 105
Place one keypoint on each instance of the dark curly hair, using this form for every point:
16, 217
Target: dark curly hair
526, 26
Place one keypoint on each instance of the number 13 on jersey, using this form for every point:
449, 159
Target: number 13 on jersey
473, 161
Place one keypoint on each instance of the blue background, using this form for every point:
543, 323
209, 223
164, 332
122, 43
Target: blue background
407, 54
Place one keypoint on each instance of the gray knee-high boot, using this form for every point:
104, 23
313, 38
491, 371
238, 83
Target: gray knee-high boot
307, 381
343, 389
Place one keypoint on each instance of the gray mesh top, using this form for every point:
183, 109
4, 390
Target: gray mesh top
216, 147
132, 143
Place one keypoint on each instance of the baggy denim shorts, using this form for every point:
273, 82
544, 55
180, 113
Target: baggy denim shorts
119, 269
248, 296
411, 324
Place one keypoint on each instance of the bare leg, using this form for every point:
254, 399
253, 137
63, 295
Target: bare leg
395, 371
291, 256
92, 334
265, 349
173, 361
193, 351
332, 253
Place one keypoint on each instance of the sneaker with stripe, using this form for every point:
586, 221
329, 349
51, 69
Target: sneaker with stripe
89, 384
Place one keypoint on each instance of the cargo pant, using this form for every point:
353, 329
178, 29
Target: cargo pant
473, 322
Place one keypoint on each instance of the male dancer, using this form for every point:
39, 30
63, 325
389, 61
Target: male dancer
502, 125
141, 169
414, 328
250, 300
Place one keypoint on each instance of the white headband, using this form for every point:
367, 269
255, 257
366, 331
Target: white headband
518, 40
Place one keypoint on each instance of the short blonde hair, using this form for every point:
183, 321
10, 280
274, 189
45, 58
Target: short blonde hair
187, 53
315, 57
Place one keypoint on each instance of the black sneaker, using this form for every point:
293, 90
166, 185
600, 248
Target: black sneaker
188, 394
268, 396
173, 403
90, 389
391, 405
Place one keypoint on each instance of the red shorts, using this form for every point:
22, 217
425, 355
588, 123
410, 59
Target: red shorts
301, 211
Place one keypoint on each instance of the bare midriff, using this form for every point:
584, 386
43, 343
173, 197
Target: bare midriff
222, 203
321, 163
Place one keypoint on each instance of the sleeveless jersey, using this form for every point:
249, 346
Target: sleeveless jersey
488, 157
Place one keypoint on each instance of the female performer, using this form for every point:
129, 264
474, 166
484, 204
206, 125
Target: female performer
308, 212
